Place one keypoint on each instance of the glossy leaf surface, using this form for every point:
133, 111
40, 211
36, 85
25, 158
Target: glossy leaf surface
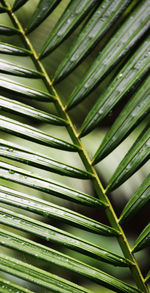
33, 134
143, 240
136, 110
19, 89
93, 31
117, 48
19, 108
69, 20
51, 255
139, 199
37, 276
15, 152
44, 8
26, 178
10, 68
13, 50
48, 280
39, 206
138, 154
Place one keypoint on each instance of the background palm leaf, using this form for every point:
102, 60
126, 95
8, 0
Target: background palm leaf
41, 143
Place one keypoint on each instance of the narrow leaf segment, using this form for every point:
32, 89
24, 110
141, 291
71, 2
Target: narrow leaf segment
40, 277
18, 175
22, 90
18, 153
104, 18
47, 209
40, 251
10, 105
44, 8
119, 46
9, 68
138, 154
143, 240
6, 286
68, 21
133, 112
13, 50
28, 132
139, 199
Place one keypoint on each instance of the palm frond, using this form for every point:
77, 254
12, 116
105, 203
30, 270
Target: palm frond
37, 210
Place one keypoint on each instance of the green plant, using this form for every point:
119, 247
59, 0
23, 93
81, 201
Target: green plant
119, 30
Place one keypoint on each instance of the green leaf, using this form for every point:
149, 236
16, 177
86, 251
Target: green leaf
28, 272
13, 106
96, 27
28, 132
119, 47
8, 31
137, 201
39, 206
20, 243
6, 286
40, 277
18, 175
44, 8
25, 91
135, 111
9, 68
13, 50
18, 4
138, 154
68, 22
18, 153
147, 279
143, 240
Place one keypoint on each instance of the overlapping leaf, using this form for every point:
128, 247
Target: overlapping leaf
22, 130
143, 240
39, 206
135, 111
104, 18
6, 286
138, 154
137, 201
69, 20
126, 80
26, 178
18, 153
25, 91
41, 277
13, 50
22, 109
120, 45
129, 43
44, 8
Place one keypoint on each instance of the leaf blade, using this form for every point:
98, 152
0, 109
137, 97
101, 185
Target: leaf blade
137, 155
68, 21
25, 91
137, 201
42, 207
24, 131
22, 109
105, 16
143, 240
44, 8
116, 49
21, 176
